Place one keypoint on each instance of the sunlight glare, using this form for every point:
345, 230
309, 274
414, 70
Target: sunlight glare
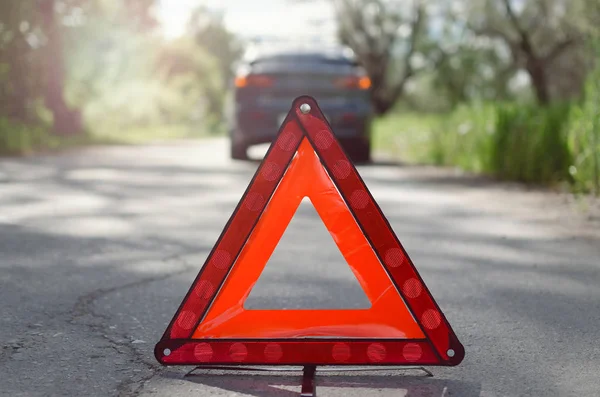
253, 19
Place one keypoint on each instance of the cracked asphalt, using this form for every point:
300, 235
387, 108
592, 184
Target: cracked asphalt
99, 246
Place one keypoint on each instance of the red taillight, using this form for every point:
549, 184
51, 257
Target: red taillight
354, 82
253, 80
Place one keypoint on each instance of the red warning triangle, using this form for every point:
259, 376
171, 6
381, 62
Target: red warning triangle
403, 326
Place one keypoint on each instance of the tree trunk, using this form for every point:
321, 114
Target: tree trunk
384, 96
66, 121
378, 99
380, 105
537, 72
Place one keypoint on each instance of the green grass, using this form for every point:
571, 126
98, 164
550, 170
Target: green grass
557, 145
517, 142
406, 136
461, 138
530, 144
18, 139
584, 139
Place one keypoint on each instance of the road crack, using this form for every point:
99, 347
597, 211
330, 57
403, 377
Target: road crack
121, 342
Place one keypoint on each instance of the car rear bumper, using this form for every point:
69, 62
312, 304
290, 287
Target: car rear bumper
256, 125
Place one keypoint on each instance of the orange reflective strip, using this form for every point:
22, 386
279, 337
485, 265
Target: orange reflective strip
388, 316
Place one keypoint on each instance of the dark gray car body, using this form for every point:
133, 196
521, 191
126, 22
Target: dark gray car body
281, 75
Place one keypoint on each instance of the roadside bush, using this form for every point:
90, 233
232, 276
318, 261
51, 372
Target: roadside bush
463, 138
530, 143
16, 138
22, 139
511, 141
585, 138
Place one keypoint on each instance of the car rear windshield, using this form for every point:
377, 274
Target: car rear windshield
304, 59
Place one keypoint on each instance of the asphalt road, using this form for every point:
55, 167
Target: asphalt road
98, 247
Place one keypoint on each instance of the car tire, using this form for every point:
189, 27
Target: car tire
238, 151
359, 151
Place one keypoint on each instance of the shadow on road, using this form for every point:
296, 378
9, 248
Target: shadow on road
386, 385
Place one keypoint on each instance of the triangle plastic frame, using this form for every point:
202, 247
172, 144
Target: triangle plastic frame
440, 347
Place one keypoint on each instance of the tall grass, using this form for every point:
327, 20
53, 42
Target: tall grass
530, 144
585, 138
405, 135
464, 138
510, 141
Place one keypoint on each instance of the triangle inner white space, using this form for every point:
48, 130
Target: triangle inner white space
307, 270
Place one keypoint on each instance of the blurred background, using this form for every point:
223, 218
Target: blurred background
509, 88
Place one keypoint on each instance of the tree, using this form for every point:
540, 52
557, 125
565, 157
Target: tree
19, 83
466, 67
66, 120
540, 35
211, 34
382, 35
212, 37
139, 14
36, 38
193, 76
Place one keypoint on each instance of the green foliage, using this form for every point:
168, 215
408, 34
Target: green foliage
405, 135
531, 144
585, 138
17, 138
466, 68
210, 34
119, 74
463, 138
21, 139
125, 81
20, 62
517, 142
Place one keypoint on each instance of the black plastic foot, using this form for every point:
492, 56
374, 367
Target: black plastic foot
309, 388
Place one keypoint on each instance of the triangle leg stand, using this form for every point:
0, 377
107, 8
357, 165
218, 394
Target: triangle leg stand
309, 387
